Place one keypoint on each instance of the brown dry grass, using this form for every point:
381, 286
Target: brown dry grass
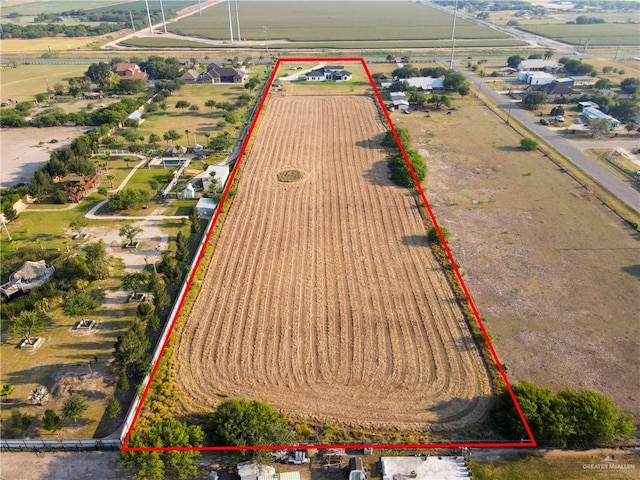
322, 296
553, 272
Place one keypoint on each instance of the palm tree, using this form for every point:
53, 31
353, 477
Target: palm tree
130, 233
187, 132
548, 54
111, 177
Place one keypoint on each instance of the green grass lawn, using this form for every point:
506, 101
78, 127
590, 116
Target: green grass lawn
25, 81
559, 465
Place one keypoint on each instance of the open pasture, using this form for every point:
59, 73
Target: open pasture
316, 21
26, 81
322, 295
553, 273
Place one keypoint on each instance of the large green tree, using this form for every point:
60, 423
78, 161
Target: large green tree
28, 324
400, 173
164, 465
533, 100
131, 355
73, 408
242, 422
98, 261
389, 139
572, 418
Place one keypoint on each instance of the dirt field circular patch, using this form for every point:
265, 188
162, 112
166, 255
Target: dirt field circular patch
291, 175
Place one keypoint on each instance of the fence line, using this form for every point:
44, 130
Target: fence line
60, 445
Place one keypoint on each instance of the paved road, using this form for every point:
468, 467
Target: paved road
571, 150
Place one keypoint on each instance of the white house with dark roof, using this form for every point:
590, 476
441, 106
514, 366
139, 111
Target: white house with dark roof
335, 73
217, 74
426, 84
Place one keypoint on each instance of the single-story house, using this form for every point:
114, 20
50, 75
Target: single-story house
80, 186
426, 84
536, 78
190, 76
217, 74
590, 113
130, 70
205, 209
553, 90
335, 73
221, 174
538, 65
277, 83
252, 470
425, 467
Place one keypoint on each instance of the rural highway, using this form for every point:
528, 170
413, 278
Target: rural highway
623, 191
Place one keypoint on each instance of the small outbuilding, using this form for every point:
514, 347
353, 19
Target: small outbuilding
253, 470
206, 207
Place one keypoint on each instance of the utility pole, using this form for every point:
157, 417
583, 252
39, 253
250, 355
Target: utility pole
133, 27
164, 22
453, 32
238, 22
266, 39
230, 23
149, 17
199, 8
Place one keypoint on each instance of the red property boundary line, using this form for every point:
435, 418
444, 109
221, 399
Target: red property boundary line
524, 443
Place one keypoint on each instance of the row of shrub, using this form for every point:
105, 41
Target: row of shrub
400, 172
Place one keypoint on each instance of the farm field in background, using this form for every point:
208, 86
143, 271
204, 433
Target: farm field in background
168, 42
530, 242
593, 35
34, 7
328, 339
332, 21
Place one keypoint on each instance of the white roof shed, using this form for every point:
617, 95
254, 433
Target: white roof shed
424, 468
205, 207
252, 470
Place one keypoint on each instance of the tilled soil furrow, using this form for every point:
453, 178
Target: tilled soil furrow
322, 296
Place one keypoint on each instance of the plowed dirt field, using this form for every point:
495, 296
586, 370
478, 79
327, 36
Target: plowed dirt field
322, 296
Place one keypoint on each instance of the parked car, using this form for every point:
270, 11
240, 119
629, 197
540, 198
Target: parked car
559, 118
544, 121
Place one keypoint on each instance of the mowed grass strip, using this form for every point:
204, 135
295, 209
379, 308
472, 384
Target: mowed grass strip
335, 21
594, 35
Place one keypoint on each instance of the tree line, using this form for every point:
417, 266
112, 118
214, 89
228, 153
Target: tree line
110, 22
